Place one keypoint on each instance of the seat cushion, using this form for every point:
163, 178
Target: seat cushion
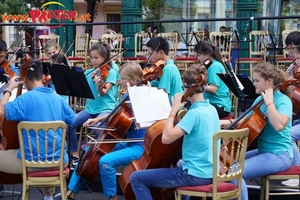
178, 59
221, 187
134, 58
285, 59
47, 173
293, 170
249, 59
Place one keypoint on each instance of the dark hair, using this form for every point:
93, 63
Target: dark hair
3, 45
268, 70
157, 44
103, 49
205, 47
178, 36
154, 26
35, 71
293, 38
59, 58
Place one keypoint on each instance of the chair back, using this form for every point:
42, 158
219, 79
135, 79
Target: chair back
81, 45
234, 153
172, 38
222, 40
258, 45
115, 42
92, 42
43, 39
140, 41
284, 34
192, 39
42, 144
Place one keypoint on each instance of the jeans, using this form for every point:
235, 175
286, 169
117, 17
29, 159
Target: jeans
163, 178
258, 165
295, 134
122, 155
80, 118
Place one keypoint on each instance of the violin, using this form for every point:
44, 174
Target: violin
102, 72
9, 131
153, 72
7, 69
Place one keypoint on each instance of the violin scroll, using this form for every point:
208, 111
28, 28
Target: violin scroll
193, 87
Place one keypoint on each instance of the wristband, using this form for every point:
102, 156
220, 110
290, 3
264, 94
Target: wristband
269, 104
172, 116
7, 91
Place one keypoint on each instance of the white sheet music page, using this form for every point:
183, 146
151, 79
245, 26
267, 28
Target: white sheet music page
148, 104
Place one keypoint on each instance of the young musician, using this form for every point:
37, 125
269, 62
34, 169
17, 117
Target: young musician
272, 155
103, 91
292, 41
28, 107
123, 153
170, 81
216, 90
3, 62
197, 128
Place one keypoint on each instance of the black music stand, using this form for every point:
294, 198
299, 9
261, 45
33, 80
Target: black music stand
233, 87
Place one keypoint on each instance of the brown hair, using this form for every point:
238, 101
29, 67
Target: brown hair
191, 76
205, 47
268, 70
132, 71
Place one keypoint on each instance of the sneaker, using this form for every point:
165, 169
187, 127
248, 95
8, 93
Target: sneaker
291, 182
58, 197
74, 160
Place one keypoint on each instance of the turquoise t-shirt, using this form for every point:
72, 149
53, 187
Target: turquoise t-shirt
200, 123
270, 140
170, 80
222, 97
104, 103
116, 68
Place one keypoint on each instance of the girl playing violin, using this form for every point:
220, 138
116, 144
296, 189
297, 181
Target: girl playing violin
216, 90
6, 67
103, 91
123, 153
197, 127
275, 149
170, 81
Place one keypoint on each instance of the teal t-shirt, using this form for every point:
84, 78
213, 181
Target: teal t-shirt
116, 68
270, 140
200, 123
104, 103
222, 97
170, 80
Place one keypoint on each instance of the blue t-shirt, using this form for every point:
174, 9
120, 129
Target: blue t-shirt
104, 103
200, 123
40, 104
222, 97
270, 140
170, 80
116, 68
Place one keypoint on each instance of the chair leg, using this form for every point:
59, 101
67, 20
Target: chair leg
262, 188
267, 189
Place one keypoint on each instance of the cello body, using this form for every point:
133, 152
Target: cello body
88, 167
156, 155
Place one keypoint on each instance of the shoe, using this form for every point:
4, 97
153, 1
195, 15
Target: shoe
290, 182
58, 197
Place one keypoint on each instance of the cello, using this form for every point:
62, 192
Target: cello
9, 133
121, 119
156, 154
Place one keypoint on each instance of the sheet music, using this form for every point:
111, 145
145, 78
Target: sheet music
149, 104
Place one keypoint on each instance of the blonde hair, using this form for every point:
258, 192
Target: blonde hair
132, 71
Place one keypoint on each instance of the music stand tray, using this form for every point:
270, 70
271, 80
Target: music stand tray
228, 80
69, 81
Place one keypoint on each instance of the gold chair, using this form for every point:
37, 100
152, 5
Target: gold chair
115, 42
277, 189
92, 42
257, 51
30, 133
81, 51
283, 61
222, 40
221, 188
172, 38
42, 41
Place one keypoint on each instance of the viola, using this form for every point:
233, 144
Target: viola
7, 69
256, 122
9, 132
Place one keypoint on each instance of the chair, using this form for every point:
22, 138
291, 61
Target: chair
30, 133
285, 60
222, 40
221, 188
277, 189
92, 42
257, 51
42, 41
81, 50
115, 42
172, 38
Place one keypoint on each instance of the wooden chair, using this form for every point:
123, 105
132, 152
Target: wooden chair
257, 51
30, 133
115, 42
43, 39
81, 50
172, 38
221, 188
222, 40
277, 189
283, 61
92, 42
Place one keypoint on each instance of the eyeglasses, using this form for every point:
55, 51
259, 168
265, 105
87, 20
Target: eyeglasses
290, 49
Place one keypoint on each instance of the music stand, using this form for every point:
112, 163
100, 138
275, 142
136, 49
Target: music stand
233, 87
